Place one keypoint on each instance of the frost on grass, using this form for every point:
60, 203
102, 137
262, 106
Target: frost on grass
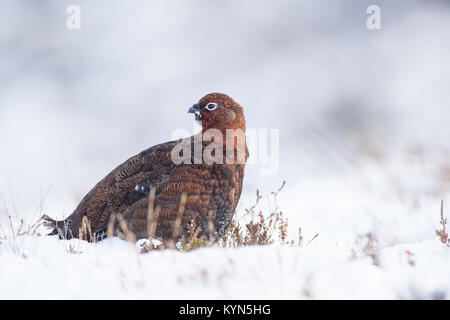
254, 227
13, 230
261, 229
442, 233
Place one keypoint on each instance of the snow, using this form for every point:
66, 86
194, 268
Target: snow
114, 269
404, 258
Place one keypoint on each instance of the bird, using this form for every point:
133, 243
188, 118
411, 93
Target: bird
172, 189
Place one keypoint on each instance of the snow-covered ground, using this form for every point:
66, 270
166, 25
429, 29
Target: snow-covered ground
363, 117
376, 246
114, 269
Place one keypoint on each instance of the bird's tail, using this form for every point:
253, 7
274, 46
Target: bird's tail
59, 228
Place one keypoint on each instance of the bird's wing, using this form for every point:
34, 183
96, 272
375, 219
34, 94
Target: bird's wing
126, 185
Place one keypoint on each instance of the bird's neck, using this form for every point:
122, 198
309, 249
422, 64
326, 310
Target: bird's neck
237, 125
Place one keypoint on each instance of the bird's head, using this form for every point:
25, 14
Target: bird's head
218, 111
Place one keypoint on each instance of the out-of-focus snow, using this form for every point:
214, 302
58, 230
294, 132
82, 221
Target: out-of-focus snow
115, 269
364, 120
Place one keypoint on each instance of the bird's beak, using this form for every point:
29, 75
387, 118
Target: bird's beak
194, 109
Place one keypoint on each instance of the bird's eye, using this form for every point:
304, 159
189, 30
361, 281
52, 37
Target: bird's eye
211, 106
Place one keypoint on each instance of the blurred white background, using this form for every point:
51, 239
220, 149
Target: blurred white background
364, 116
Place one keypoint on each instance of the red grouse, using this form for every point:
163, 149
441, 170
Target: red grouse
192, 181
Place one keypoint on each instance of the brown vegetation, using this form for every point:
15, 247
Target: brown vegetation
442, 233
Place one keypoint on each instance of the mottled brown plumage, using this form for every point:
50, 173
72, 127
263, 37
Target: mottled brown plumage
212, 189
